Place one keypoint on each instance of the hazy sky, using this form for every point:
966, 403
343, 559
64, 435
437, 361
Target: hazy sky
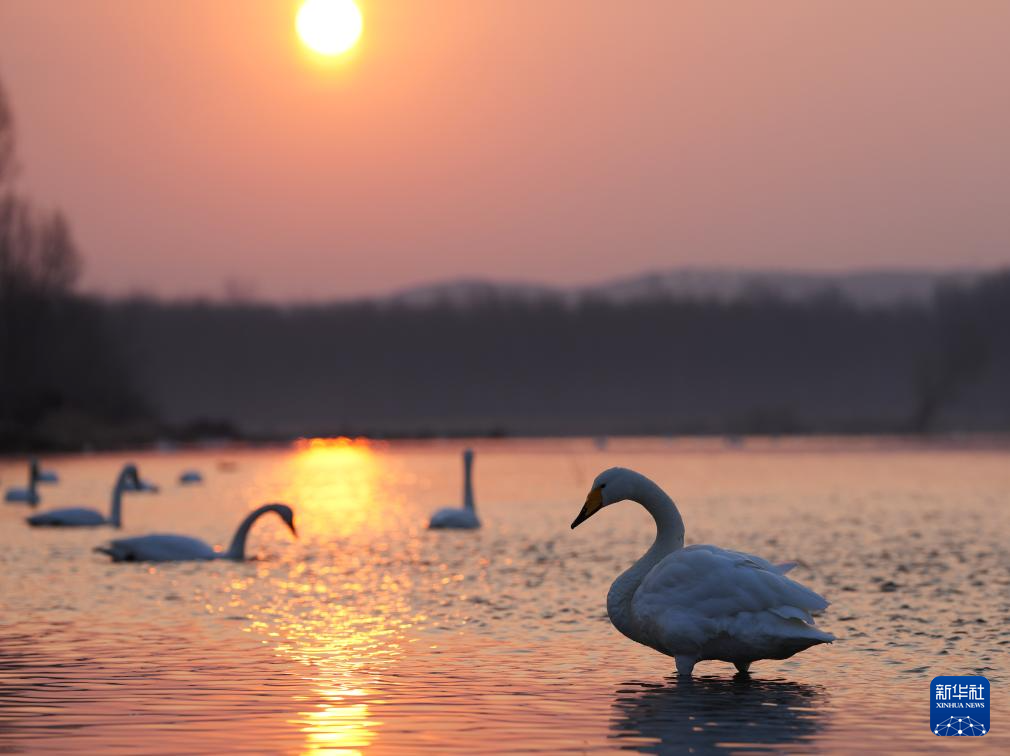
194, 142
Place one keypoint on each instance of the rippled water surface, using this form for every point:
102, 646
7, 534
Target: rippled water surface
370, 634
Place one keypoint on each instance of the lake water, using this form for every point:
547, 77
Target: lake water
370, 634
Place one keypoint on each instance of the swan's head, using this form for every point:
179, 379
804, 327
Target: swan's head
286, 514
131, 478
133, 482
610, 487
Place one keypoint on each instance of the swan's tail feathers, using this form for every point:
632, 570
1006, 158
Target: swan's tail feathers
817, 608
785, 567
800, 595
820, 636
795, 644
800, 621
793, 612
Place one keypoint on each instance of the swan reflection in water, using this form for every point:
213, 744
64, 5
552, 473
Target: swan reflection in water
711, 715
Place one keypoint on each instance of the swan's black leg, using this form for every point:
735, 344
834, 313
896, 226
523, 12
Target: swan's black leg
685, 665
742, 668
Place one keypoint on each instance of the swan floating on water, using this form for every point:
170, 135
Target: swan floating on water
163, 547
127, 480
29, 494
459, 518
700, 603
49, 476
189, 477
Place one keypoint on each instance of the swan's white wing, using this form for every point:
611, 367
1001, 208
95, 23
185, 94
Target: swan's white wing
460, 518
72, 517
159, 547
711, 601
782, 569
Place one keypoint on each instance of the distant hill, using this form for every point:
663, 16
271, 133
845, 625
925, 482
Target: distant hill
465, 293
871, 288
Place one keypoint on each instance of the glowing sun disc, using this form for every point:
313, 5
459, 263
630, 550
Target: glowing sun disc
329, 27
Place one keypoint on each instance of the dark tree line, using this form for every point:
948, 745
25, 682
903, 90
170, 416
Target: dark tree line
971, 331
759, 365
60, 381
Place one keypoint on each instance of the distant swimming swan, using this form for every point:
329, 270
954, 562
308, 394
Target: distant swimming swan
127, 480
702, 602
30, 494
465, 517
177, 548
48, 476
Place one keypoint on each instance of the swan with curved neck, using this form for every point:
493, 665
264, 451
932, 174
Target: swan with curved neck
29, 494
698, 602
127, 480
167, 547
459, 518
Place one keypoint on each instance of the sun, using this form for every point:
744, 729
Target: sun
329, 27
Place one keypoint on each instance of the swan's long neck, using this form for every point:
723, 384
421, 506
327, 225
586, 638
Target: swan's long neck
468, 481
669, 538
116, 509
237, 548
33, 479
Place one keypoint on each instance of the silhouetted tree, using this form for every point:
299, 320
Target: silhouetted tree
6, 140
972, 328
38, 256
958, 356
756, 365
54, 356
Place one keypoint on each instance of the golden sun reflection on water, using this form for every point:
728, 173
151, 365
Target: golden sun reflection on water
342, 653
336, 483
327, 616
340, 729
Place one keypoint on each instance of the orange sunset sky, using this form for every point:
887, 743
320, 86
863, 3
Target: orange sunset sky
564, 141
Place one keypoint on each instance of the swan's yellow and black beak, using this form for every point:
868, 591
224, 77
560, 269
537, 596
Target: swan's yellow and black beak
594, 503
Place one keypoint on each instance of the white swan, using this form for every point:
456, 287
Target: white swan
465, 517
189, 477
48, 476
702, 602
127, 480
29, 494
160, 547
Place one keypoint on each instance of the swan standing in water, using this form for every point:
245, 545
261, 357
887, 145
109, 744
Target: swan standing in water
702, 602
29, 494
160, 547
128, 480
465, 517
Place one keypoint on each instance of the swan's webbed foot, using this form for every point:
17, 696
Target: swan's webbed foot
685, 665
742, 668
